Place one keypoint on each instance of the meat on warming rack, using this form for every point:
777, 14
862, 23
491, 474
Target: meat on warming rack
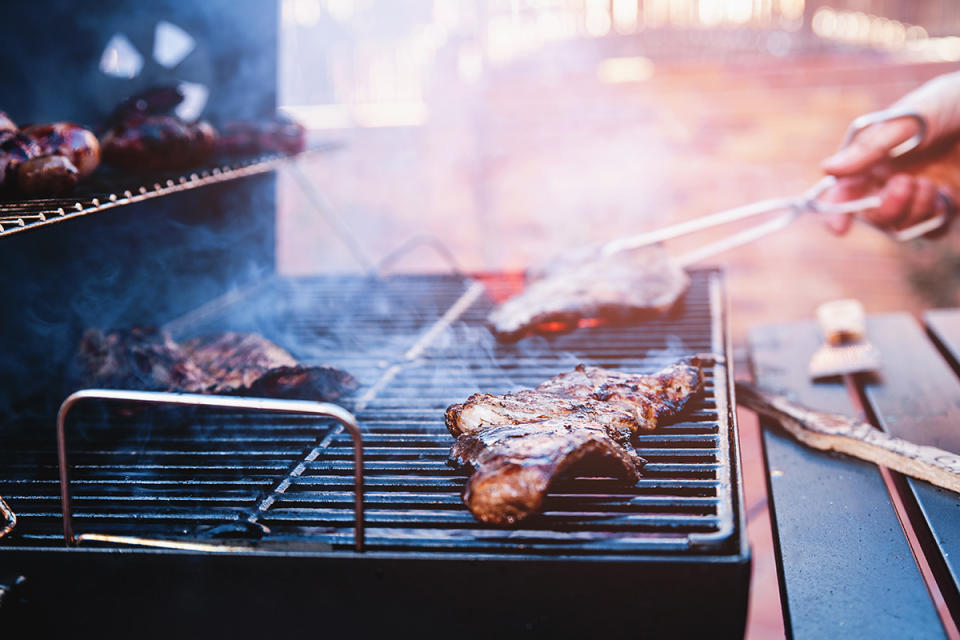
110, 189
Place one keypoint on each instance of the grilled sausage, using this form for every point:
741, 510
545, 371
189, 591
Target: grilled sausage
150, 102
204, 140
47, 176
278, 134
15, 149
69, 140
148, 144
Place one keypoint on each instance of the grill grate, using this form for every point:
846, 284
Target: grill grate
417, 344
108, 189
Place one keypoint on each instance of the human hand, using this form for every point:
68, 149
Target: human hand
915, 188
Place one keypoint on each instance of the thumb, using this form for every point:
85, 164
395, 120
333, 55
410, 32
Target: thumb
870, 147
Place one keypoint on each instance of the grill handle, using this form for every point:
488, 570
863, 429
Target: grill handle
273, 405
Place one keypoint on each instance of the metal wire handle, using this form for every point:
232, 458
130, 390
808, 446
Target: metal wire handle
325, 409
877, 117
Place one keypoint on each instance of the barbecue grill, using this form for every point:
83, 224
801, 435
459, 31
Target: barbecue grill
277, 493
219, 521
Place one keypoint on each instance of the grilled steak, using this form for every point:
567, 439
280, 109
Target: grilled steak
249, 363
580, 422
625, 286
138, 358
515, 464
226, 363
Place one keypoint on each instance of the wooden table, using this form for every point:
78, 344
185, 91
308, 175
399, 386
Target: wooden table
848, 567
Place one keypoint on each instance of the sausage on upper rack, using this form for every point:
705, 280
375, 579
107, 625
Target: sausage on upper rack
76, 144
45, 159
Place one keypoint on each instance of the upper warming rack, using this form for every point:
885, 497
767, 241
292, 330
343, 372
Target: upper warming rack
107, 190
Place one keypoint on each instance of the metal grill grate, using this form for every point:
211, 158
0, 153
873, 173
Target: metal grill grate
417, 343
109, 189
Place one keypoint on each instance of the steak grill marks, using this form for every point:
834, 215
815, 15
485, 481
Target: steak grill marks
175, 476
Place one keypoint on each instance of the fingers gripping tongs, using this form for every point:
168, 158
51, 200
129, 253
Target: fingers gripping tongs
792, 206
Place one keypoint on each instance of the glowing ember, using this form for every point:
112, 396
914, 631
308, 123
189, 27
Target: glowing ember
559, 327
548, 327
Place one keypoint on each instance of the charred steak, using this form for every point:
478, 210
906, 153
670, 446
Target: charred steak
624, 286
576, 423
224, 363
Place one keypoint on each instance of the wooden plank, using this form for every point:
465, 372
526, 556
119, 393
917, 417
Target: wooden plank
846, 568
918, 399
943, 326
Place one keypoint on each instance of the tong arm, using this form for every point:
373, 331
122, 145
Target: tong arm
699, 224
885, 115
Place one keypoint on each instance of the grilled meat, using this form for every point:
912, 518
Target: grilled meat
248, 363
227, 363
158, 142
71, 141
15, 149
144, 133
629, 285
149, 102
651, 397
515, 464
138, 358
45, 159
47, 176
279, 134
577, 422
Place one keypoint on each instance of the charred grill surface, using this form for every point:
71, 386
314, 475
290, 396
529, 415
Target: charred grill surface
630, 285
223, 363
163, 475
579, 422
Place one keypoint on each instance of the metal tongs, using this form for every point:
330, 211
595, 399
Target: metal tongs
793, 206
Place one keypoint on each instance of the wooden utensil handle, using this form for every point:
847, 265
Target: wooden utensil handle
842, 321
831, 432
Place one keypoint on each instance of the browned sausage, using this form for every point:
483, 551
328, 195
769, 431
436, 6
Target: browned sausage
47, 176
154, 143
15, 148
72, 141
204, 141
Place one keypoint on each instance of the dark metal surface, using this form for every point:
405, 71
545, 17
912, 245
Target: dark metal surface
235, 56
846, 569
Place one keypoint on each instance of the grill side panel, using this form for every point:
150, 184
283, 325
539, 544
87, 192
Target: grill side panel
162, 594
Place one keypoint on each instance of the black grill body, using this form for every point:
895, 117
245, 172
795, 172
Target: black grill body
666, 557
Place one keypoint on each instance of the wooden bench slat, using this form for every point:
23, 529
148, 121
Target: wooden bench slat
943, 325
919, 400
846, 568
